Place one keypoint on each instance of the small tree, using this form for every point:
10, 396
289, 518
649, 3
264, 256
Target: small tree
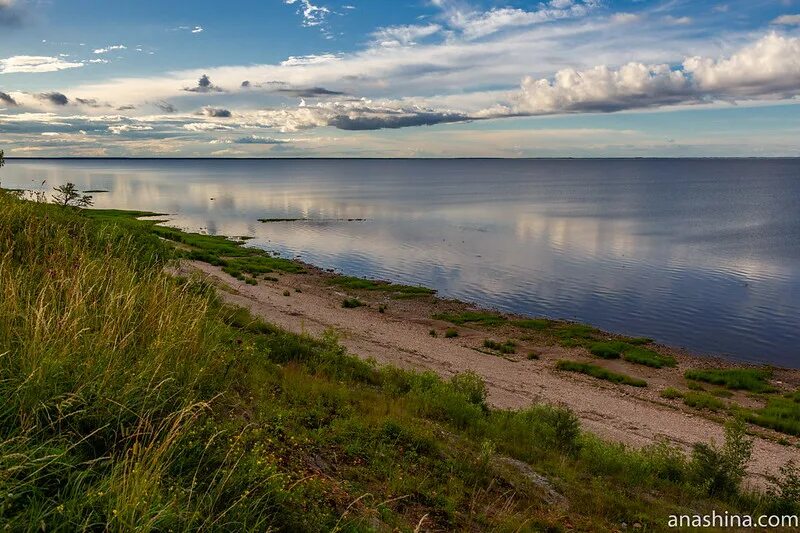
69, 196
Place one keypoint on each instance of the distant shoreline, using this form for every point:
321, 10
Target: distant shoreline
662, 158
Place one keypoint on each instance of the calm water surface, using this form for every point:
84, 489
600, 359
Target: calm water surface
703, 254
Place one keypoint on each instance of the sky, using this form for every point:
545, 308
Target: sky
400, 78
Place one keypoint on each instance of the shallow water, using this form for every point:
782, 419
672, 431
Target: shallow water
702, 254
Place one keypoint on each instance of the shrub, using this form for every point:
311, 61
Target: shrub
451, 333
785, 491
471, 385
352, 303
566, 428
720, 471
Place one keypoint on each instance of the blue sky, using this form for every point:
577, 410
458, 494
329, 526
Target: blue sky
410, 78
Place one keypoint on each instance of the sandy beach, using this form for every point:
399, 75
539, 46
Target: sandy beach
401, 335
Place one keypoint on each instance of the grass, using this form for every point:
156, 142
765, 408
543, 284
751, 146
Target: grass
750, 379
451, 333
781, 413
347, 282
507, 347
670, 393
236, 260
703, 400
538, 324
600, 373
571, 335
481, 318
352, 303
132, 400
630, 353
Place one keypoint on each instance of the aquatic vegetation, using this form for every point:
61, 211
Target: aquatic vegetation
599, 373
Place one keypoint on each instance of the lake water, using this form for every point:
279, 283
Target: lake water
702, 254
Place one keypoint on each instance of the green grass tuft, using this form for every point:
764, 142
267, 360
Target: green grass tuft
472, 317
347, 282
600, 373
750, 379
703, 400
671, 393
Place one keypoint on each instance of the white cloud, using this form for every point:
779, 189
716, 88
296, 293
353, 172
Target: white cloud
404, 35
35, 64
206, 126
110, 49
788, 20
678, 21
313, 15
625, 18
768, 68
197, 29
125, 128
476, 24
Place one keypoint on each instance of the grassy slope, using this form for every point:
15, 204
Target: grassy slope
133, 400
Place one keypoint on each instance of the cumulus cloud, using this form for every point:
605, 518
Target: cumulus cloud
54, 98
204, 85
769, 68
35, 64
7, 99
216, 112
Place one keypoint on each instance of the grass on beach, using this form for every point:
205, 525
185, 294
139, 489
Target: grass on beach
348, 282
133, 400
750, 379
600, 373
